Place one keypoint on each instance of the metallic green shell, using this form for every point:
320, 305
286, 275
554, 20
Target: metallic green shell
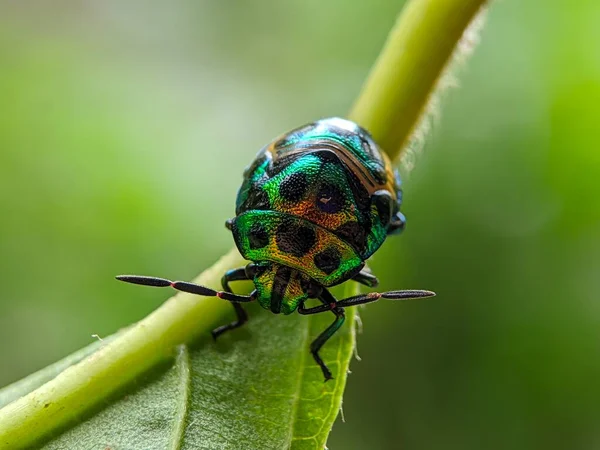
320, 199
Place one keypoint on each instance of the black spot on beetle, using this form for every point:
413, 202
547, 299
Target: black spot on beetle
330, 199
293, 187
295, 239
360, 194
258, 236
257, 199
327, 156
328, 260
354, 234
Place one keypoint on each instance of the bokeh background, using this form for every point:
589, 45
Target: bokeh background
124, 130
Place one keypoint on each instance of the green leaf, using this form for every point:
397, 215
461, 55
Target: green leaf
257, 387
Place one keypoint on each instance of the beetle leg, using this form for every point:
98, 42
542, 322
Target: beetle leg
329, 304
242, 316
324, 337
366, 278
336, 307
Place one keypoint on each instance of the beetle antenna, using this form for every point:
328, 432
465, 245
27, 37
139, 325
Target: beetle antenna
390, 295
184, 286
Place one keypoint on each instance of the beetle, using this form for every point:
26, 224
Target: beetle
314, 205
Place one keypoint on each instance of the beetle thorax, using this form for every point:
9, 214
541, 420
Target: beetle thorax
279, 288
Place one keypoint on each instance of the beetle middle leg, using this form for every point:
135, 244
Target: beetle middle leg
329, 304
242, 316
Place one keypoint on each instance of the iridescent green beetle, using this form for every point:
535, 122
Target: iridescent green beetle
314, 205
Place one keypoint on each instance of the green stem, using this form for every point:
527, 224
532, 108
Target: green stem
389, 106
152, 340
404, 77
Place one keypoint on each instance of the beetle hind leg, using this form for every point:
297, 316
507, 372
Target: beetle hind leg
242, 318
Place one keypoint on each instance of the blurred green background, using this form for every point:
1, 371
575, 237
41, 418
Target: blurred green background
124, 130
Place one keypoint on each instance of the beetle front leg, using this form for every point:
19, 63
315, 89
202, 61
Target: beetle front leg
324, 337
329, 304
242, 315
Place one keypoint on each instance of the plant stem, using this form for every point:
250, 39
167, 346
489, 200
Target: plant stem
152, 340
402, 80
389, 106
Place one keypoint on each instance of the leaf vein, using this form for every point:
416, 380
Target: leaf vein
182, 365
297, 392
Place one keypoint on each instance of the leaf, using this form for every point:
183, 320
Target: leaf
257, 387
